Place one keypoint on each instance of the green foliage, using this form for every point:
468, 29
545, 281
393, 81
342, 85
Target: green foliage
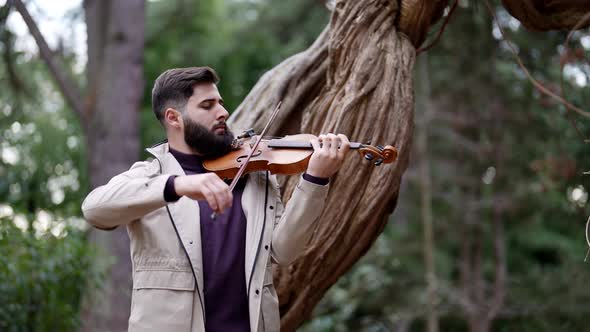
42, 171
43, 278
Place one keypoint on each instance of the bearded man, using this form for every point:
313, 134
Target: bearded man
201, 254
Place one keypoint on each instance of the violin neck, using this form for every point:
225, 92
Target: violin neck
286, 144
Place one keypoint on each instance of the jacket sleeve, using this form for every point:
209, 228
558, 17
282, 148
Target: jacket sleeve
296, 224
126, 197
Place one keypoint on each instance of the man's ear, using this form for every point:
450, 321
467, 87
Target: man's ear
173, 118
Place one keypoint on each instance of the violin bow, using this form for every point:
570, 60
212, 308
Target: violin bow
235, 180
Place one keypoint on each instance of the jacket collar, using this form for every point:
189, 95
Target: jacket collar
159, 150
168, 164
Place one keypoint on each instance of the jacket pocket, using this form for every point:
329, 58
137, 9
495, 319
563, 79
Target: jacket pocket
270, 304
162, 300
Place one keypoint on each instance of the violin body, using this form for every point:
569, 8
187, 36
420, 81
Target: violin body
283, 160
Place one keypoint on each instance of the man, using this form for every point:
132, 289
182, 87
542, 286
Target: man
193, 271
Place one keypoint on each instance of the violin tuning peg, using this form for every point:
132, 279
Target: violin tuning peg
380, 147
369, 157
378, 162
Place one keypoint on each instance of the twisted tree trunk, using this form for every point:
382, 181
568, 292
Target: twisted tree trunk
356, 79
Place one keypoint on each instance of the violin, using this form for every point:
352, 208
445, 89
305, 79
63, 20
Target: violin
288, 155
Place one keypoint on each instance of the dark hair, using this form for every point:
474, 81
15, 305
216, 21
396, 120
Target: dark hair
175, 86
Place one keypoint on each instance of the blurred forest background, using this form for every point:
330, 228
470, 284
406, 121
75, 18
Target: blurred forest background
496, 166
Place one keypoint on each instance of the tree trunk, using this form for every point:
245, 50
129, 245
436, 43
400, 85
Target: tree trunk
109, 116
482, 298
356, 79
115, 87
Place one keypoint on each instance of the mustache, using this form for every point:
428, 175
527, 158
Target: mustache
220, 124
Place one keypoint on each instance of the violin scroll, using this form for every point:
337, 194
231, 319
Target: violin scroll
387, 154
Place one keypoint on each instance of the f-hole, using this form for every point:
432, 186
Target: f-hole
239, 159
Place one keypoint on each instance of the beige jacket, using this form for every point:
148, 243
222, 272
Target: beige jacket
167, 273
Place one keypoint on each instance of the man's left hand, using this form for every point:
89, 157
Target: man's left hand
328, 155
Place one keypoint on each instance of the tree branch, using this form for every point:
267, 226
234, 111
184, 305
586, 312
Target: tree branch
69, 89
7, 40
549, 15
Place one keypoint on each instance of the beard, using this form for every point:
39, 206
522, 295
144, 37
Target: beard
204, 141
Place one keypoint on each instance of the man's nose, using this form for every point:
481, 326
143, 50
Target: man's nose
222, 113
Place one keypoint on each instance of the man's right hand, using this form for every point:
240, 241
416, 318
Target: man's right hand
207, 187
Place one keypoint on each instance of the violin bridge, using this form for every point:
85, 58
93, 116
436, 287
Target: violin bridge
252, 141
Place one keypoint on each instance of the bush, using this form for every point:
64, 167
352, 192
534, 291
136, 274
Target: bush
43, 278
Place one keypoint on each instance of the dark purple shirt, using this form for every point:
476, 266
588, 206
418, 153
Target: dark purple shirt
223, 247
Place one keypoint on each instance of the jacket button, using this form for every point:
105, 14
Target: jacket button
190, 242
266, 247
271, 207
257, 292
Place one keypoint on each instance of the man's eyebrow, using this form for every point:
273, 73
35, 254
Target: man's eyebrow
211, 100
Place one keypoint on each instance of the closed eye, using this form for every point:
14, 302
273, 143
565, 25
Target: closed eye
210, 103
